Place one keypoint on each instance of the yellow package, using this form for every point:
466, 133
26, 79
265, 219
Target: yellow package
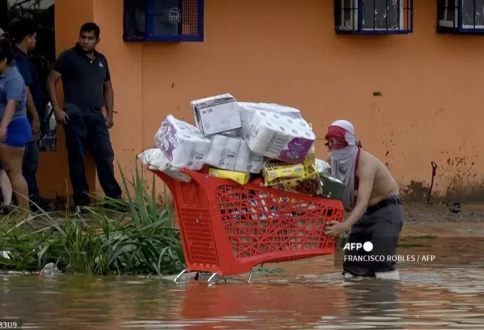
273, 171
239, 177
310, 158
309, 184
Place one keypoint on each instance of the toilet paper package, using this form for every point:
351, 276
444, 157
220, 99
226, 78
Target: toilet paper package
278, 136
247, 110
233, 154
271, 107
182, 144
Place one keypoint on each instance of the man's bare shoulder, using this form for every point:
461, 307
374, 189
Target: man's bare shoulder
368, 162
372, 166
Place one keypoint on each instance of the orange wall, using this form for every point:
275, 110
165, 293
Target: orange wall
277, 51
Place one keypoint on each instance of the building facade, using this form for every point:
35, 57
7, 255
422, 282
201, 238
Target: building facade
412, 91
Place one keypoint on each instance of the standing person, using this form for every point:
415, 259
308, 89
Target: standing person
24, 34
372, 197
87, 89
15, 130
5, 185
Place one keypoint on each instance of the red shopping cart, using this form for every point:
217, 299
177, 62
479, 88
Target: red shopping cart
228, 228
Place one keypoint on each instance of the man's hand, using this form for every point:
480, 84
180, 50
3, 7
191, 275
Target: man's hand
3, 133
35, 126
109, 121
335, 228
61, 116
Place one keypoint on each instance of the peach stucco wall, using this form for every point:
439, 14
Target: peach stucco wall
283, 52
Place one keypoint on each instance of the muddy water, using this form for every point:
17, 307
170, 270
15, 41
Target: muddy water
311, 294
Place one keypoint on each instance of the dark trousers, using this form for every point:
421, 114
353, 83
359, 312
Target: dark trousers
30, 164
380, 227
89, 130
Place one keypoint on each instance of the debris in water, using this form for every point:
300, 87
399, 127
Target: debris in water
6, 255
455, 207
50, 270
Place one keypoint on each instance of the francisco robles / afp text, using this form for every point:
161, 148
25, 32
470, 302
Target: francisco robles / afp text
369, 257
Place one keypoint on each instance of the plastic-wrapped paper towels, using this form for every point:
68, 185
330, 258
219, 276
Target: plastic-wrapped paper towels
233, 154
156, 160
182, 144
276, 131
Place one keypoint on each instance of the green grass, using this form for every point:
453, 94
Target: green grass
142, 240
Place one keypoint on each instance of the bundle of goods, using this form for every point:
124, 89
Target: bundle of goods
244, 141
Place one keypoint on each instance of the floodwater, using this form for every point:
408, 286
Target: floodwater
311, 294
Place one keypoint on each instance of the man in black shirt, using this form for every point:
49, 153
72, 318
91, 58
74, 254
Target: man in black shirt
24, 34
87, 89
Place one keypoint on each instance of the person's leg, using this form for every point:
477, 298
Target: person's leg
19, 133
385, 239
6, 187
100, 146
11, 158
353, 264
29, 168
75, 131
29, 171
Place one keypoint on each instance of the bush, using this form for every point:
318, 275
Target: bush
142, 241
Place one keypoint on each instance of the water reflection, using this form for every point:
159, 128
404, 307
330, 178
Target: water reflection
370, 301
423, 299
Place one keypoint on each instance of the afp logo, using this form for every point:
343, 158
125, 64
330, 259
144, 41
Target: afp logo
367, 246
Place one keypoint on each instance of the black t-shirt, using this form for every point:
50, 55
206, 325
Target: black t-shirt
83, 78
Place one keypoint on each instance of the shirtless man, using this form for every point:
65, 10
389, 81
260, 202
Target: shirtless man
372, 198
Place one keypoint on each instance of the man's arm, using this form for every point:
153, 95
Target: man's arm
32, 110
366, 175
61, 67
23, 66
109, 98
108, 93
52, 79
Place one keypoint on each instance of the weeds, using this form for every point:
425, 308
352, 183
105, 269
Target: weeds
142, 240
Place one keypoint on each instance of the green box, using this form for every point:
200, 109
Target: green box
332, 188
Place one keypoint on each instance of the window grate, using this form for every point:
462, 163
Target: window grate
373, 16
163, 20
460, 16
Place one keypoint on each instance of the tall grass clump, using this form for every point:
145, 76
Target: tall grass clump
141, 240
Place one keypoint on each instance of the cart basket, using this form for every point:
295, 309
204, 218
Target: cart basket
228, 228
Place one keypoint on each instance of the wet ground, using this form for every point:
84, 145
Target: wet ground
417, 213
306, 294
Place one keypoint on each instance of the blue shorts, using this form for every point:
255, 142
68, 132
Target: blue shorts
19, 133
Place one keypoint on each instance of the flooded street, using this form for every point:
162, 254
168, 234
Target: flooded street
308, 294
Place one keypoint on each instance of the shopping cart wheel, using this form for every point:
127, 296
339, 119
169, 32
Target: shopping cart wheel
211, 282
179, 275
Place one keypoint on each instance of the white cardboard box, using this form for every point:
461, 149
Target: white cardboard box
216, 114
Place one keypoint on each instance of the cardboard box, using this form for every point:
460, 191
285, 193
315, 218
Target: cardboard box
273, 171
216, 114
309, 184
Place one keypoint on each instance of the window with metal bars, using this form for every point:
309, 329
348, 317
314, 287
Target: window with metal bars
460, 16
373, 16
163, 20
